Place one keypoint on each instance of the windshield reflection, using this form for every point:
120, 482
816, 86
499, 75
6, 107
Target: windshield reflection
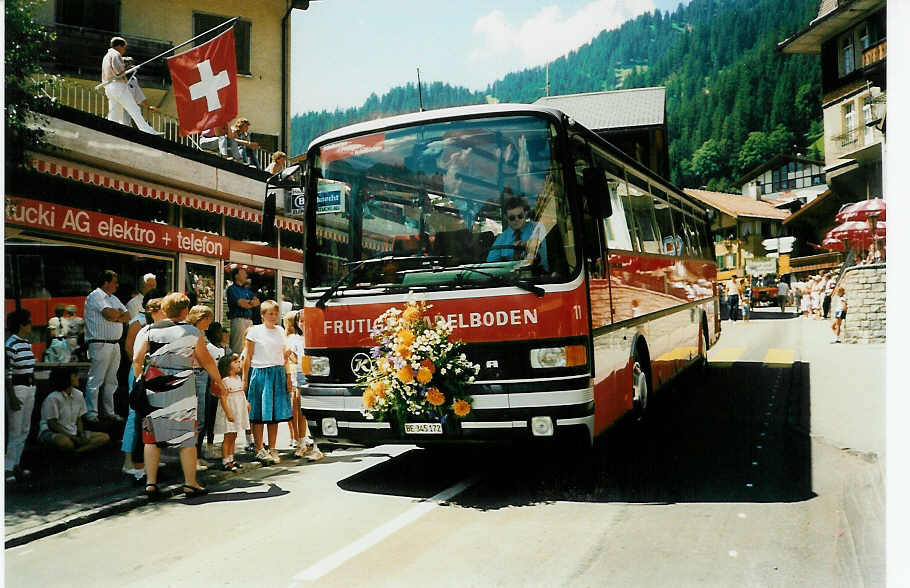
485, 194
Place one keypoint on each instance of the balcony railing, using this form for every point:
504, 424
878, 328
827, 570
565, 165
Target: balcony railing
95, 102
77, 51
848, 138
875, 53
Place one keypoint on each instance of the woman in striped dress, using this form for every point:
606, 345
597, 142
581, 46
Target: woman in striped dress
172, 346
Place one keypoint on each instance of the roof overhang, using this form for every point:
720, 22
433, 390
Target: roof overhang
809, 40
808, 207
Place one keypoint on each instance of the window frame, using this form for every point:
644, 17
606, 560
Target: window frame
237, 38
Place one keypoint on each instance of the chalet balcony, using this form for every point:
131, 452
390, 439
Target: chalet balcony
848, 139
77, 52
816, 262
875, 54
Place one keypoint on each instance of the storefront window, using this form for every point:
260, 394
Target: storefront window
199, 220
200, 283
291, 294
262, 281
245, 231
42, 274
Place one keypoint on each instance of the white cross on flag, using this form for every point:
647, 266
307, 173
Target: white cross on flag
205, 84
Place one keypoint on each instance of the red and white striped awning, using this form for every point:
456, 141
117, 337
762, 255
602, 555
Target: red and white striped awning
130, 186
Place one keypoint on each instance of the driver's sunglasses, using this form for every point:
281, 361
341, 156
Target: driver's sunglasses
518, 216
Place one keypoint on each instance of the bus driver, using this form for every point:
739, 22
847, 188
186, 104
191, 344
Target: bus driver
523, 238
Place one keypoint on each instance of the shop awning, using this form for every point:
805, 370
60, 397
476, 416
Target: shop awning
88, 175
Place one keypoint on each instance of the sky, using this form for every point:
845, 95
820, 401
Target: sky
343, 50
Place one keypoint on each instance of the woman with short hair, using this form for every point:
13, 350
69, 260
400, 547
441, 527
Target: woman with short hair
172, 346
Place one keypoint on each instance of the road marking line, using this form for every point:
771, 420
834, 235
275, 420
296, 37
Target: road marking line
728, 354
330, 562
780, 356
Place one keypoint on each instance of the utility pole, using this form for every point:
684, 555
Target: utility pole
419, 90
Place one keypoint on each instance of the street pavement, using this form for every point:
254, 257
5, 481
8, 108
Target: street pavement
763, 470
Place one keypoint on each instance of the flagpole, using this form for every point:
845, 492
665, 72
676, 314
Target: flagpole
136, 67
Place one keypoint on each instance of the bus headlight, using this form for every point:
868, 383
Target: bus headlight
315, 365
542, 426
552, 357
330, 427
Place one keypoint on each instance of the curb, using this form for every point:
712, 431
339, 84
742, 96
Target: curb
118, 507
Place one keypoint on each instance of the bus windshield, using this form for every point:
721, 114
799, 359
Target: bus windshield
465, 203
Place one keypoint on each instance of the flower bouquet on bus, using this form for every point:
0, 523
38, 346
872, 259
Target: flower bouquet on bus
418, 376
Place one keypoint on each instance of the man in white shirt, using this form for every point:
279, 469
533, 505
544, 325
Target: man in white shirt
104, 319
61, 416
149, 283
119, 96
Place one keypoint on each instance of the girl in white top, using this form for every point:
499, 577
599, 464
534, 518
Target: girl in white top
267, 379
293, 324
233, 410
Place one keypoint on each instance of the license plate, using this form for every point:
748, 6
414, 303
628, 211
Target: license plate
423, 428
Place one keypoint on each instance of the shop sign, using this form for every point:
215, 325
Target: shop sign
84, 223
760, 266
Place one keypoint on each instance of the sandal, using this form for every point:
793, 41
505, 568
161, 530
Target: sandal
152, 492
193, 491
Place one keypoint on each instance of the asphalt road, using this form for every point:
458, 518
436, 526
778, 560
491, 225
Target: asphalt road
721, 485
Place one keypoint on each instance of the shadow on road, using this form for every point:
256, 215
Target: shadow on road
735, 433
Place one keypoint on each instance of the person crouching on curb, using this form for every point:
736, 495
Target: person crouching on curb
61, 416
840, 314
267, 379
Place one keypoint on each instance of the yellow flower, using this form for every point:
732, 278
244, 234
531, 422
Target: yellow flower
384, 366
369, 399
435, 397
378, 388
428, 365
403, 351
405, 374
405, 337
461, 408
411, 314
424, 375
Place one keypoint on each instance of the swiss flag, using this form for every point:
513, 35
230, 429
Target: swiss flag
205, 84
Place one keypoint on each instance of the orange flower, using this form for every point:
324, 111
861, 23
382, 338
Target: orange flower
369, 399
461, 408
378, 389
405, 337
435, 397
427, 364
424, 375
403, 351
411, 314
384, 366
405, 374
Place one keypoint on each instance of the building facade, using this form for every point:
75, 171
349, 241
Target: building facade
850, 37
102, 195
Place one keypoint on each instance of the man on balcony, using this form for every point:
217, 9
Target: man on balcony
119, 97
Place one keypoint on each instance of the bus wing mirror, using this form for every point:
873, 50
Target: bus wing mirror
289, 177
597, 192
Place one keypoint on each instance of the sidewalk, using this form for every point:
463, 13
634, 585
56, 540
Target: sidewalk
62, 494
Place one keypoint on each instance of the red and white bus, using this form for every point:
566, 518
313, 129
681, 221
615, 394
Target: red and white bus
607, 297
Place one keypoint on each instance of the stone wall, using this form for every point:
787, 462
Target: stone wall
865, 289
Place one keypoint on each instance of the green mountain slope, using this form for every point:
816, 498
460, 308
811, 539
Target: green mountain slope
732, 101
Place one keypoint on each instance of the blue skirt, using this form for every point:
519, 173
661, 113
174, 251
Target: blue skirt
268, 395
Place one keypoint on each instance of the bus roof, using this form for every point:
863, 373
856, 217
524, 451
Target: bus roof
440, 114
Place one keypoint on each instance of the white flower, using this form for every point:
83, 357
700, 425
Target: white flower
442, 371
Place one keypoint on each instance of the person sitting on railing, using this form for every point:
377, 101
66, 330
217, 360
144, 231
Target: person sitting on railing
236, 143
120, 98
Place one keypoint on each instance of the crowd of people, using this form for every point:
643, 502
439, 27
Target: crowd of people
189, 381
813, 298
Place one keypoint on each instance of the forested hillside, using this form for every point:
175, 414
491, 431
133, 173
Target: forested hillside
732, 101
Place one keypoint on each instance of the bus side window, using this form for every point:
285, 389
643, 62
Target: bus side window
617, 228
662, 212
594, 253
706, 247
643, 210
